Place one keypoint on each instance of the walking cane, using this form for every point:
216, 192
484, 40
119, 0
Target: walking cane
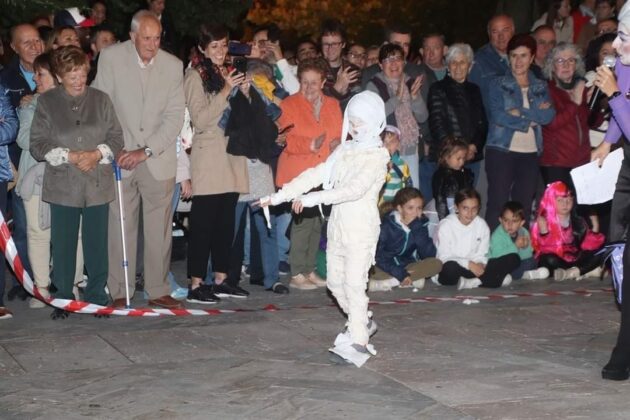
121, 209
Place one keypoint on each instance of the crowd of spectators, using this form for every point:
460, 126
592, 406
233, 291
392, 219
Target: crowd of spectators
235, 121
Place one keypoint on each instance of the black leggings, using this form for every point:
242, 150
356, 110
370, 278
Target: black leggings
211, 233
586, 262
496, 270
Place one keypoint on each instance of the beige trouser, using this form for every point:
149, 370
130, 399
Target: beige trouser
141, 188
38, 242
428, 267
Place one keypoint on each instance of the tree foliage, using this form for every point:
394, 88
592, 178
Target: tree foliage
457, 19
187, 14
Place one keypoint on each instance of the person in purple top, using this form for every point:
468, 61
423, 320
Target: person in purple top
618, 91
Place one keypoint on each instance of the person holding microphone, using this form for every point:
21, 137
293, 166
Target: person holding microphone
617, 88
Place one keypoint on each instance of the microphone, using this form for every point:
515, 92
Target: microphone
609, 61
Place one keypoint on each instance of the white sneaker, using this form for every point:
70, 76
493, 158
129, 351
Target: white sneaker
540, 273
379, 285
301, 282
507, 280
560, 274
418, 284
347, 352
596, 273
465, 283
434, 279
372, 326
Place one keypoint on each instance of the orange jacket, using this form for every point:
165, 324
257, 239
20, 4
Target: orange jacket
297, 155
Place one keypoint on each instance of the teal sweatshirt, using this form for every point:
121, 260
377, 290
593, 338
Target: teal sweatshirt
502, 244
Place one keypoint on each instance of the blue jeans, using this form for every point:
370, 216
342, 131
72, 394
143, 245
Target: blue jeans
427, 169
526, 265
281, 225
264, 249
475, 167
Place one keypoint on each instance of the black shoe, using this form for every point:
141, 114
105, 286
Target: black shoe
279, 288
284, 268
17, 291
616, 372
225, 290
59, 314
202, 294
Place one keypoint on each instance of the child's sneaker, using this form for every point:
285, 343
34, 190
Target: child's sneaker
379, 286
540, 273
560, 274
465, 283
346, 352
507, 280
418, 284
596, 273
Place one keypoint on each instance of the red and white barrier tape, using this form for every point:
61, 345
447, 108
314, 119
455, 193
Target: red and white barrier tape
10, 251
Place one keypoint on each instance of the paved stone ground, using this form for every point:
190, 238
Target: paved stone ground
519, 358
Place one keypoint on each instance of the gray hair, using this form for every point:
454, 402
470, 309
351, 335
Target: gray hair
580, 68
459, 48
139, 16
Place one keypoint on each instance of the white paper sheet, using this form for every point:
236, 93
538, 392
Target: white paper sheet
596, 185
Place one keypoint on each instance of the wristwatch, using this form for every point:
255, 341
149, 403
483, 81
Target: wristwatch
148, 152
614, 95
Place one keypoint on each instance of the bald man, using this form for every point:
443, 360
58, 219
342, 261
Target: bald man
145, 84
491, 60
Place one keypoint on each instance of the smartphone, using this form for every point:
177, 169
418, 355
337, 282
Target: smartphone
240, 64
285, 129
239, 48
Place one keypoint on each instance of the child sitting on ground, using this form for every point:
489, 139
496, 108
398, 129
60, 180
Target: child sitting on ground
511, 237
451, 175
562, 240
405, 255
398, 175
463, 241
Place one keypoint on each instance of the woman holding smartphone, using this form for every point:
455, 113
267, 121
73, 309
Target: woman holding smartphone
316, 121
217, 177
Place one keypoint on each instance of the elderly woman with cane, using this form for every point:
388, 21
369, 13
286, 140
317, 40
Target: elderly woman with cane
618, 92
76, 131
352, 178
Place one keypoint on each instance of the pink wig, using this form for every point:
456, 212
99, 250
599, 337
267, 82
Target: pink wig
554, 239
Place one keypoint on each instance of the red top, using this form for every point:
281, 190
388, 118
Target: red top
566, 138
297, 155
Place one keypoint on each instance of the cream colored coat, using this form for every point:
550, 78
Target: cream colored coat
149, 119
213, 170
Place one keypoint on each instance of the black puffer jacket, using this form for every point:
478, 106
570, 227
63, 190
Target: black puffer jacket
446, 183
456, 109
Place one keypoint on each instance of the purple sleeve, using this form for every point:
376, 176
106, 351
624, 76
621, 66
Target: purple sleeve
620, 106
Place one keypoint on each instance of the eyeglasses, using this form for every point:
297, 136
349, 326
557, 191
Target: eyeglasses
563, 61
355, 55
393, 59
332, 45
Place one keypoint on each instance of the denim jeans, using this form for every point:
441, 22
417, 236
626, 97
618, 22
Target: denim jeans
263, 246
281, 225
427, 169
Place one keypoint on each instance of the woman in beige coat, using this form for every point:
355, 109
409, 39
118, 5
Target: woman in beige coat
217, 177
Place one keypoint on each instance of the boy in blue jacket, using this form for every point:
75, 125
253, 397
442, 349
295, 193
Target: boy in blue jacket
405, 254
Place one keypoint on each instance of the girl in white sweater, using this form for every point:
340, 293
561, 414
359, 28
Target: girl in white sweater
463, 241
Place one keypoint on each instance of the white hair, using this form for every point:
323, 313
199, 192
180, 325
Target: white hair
137, 19
459, 48
624, 15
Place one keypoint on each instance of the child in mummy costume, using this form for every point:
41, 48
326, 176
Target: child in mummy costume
352, 178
